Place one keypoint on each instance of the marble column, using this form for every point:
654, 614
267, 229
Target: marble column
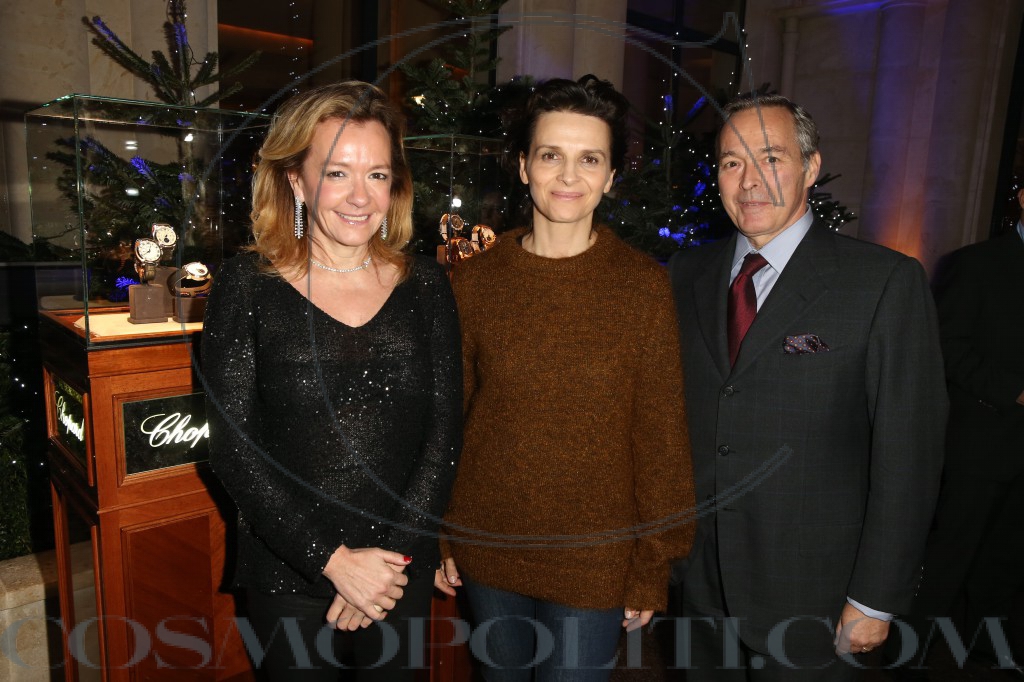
598, 45
790, 40
937, 118
898, 138
562, 39
966, 131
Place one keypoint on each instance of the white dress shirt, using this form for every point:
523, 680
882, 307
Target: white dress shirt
777, 252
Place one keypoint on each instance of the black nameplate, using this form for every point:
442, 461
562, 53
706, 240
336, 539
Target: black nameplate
165, 432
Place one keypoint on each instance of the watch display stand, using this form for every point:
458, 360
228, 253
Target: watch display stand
188, 309
146, 304
163, 273
87, 156
456, 174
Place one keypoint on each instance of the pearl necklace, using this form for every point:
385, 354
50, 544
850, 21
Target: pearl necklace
366, 264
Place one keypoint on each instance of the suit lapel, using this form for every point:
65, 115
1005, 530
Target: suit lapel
711, 299
803, 282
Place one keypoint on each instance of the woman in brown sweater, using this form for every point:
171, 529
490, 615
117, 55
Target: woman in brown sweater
574, 490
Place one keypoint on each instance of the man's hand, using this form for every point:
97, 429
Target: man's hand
858, 633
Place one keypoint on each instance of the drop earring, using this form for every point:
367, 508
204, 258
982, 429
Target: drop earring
299, 224
384, 229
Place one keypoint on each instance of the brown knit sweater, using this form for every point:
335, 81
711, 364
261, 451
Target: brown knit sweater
575, 478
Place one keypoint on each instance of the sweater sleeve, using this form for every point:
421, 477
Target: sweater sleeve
275, 505
662, 469
430, 483
462, 290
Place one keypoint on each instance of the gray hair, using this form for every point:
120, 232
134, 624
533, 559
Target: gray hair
806, 131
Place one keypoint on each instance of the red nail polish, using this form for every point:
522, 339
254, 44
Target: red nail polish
408, 559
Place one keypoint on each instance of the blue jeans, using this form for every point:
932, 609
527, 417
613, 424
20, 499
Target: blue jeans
518, 638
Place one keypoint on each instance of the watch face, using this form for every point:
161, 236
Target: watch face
147, 250
164, 235
196, 270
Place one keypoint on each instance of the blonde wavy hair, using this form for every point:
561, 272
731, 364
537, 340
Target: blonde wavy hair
285, 149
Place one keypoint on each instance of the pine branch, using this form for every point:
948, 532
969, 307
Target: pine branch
205, 73
170, 78
221, 93
163, 73
112, 46
244, 65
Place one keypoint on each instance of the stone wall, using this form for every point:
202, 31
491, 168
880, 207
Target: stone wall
30, 643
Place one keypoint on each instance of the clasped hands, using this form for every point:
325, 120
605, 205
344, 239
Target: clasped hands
367, 582
446, 579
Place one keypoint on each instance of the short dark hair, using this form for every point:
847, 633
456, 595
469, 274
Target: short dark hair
589, 96
806, 131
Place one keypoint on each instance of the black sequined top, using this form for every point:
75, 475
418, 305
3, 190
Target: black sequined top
325, 434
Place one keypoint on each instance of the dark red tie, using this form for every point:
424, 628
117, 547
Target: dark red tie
743, 302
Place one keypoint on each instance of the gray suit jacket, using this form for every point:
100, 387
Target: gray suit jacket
820, 470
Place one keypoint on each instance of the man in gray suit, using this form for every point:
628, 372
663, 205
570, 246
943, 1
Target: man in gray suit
816, 406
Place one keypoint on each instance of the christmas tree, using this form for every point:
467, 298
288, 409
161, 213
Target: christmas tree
15, 539
455, 114
454, 93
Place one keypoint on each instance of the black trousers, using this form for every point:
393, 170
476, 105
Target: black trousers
296, 645
975, 552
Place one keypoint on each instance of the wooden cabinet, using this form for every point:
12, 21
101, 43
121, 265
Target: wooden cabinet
128, 479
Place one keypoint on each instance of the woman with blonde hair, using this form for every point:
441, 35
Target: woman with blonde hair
331, 359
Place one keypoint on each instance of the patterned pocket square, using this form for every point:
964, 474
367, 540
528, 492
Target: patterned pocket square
803, 343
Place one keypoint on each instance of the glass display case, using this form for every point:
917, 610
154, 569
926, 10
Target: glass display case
103, 173
456, 174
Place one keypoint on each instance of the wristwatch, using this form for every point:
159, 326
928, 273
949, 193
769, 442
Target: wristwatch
147, 255
165, 236
193, 279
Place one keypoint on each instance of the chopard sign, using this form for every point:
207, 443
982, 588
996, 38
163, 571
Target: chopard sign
74, 426
165, 432
69, 413
163, 429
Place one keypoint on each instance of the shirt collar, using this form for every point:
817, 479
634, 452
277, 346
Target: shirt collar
1020, 228
780, 249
